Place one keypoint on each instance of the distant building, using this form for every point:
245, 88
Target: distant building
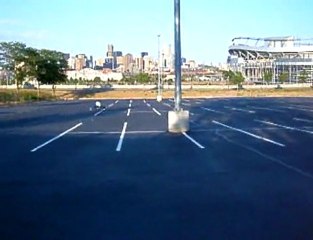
109, 63
117, 54
138, 64
143, 54
168, 59
91, 74
274, 56
110, 50
128, 62
99, 62
66, 56
71, 62
119, 61
148, 64
80, 61
89, 62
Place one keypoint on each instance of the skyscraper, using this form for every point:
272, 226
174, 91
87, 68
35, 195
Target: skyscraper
117, 54
110, 50
143, 54
128, 60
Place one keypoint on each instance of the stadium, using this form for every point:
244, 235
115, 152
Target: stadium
277, 55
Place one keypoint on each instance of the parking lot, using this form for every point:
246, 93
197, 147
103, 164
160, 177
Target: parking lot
243, 171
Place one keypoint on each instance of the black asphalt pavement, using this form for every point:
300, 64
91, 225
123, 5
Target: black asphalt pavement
243, 171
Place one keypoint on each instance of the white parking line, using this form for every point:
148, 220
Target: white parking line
144, 100
268, 109
166, 104
156, 111
192, 140
120, 142
300, 109
186, 104
303, 120
117, 132
240, 109
249, 134
211, 110
97, 113
283, 126
148, 105
57, 137
277, 161
116, 101
128, 112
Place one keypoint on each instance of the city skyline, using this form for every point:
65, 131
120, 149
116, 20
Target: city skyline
133, 27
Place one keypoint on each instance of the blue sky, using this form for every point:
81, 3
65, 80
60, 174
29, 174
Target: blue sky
132, 26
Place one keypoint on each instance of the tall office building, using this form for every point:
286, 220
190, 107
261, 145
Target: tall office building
128, 60
71, 62
110, 50
148, 64
117, 54
80, 61
66, 56
89, 62
168, 58
143, 54
139, 64
119, 61
109, 63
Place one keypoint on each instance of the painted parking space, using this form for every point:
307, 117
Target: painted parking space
121, 162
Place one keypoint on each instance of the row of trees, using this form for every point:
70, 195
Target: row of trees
237, 78
284, 76
26, 63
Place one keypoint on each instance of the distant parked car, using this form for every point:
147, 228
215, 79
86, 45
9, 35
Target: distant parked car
28, 85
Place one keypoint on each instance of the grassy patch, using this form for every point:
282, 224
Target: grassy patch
29, 95
21, 96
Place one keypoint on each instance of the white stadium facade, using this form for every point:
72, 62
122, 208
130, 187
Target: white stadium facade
277, 55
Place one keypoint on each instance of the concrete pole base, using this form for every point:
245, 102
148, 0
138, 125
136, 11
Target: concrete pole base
178, 121
159, 98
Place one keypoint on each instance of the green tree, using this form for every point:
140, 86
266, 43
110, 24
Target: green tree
228, 75
14, 53
268, 76
142, 78
46, 66
97, 80
237, 78
50, 68
283, 77
304, 76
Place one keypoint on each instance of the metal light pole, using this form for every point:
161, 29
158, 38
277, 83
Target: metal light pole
178, 120
162, 66
159, 97
177, 56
